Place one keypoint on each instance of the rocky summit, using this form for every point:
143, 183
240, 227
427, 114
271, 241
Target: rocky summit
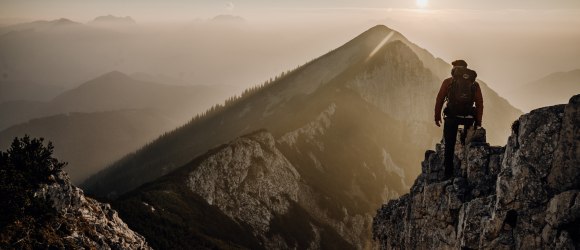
91, 223
48, 212
521, 196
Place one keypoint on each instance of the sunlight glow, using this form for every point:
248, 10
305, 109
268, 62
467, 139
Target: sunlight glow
422, 3
381, 44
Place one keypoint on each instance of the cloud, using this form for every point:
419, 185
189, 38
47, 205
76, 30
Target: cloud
230, 6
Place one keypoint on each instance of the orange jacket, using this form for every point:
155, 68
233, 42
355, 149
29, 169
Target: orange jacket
443, 93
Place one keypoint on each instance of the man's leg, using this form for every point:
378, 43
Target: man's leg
467, 124
450, 135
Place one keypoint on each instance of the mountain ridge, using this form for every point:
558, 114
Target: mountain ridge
113, 20
552, 89
39, 25
115, 91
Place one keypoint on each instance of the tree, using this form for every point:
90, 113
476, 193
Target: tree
23, 167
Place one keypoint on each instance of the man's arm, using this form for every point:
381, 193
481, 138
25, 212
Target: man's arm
441, 99
478, 105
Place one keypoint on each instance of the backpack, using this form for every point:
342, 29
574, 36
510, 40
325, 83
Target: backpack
461, 93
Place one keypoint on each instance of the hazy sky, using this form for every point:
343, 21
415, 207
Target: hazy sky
508, 42
155, 10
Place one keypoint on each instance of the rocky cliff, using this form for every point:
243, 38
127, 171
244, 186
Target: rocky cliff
42, 210
243, 194
521, 196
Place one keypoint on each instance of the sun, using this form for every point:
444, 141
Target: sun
422, 3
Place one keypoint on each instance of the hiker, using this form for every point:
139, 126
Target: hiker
461, 92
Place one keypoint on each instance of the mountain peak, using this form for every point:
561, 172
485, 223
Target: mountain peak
380, 28
228, 19
63, 21
55, 22
115, 74
110, 19
376, 37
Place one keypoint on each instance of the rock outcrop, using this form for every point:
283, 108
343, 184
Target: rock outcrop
243, 194
249, 180
521, 196
59, 216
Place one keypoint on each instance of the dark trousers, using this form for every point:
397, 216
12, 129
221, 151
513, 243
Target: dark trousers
450, 134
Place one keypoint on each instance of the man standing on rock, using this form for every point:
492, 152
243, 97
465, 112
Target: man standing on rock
460, 92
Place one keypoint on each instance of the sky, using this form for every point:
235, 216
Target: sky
509, 43
152, 10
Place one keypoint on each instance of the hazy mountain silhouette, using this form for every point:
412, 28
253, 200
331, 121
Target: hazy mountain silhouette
39, 25
119, 115
113, 20
556, 88
116, 91
352, 123
89, 141
165, 79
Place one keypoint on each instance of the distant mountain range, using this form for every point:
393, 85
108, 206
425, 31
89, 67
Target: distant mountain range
556, 88
90, 141
29, 51
113, 20
336, 138
105, 118
38, 25
115, 91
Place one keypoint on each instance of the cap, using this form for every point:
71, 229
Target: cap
460, 63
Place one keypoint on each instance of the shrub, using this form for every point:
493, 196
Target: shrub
24, 167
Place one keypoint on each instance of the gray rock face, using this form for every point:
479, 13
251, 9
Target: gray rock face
565, 171
242, 194
523, 196
88, 223
249, 180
